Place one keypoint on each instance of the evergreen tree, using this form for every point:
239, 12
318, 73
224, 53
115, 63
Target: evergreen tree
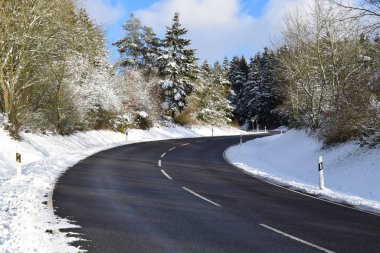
212, 90
130, 46
177, 66
223, 92
248, 106
269, 100
140, 46
260, 99
150, 49
226, 66
238, 74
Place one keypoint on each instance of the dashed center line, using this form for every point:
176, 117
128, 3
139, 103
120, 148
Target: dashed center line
200, 196
296, 239
185, 144
159, 163
166, 175
164, 154
172, 149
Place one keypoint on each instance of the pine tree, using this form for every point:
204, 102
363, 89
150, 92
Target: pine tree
139, 48
260, 99
150, 48
226, 65
130, 47
238, 74
177, 66
248, 106
223, 92
212, 90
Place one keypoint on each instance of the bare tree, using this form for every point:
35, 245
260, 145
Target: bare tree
325, 59
369, 10
37, 40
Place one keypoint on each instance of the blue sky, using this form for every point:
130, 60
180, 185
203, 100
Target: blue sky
217, 28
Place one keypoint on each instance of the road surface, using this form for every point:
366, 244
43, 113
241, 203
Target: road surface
182, 196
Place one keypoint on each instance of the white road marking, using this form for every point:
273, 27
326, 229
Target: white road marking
199, 196
185, 144
164, 154
172, 149
159, 163
199, 141
296, 239
166, 175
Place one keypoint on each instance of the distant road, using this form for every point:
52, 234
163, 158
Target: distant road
181, 196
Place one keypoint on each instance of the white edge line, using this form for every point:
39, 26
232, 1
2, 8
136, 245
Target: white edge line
296, 239
172, 149
199, 196
166, 175
295, 191
164, 154
159, 163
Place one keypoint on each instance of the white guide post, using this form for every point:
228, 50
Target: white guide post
321, 179
241, 139
212, 132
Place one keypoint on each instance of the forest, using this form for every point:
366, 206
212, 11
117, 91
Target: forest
322, 76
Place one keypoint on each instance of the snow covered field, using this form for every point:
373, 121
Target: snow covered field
351, 173
27, 222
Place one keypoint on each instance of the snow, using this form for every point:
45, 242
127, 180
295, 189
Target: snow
26, 213
177, 96
167, 84
165, 105
142, 114
351, 172
173, 65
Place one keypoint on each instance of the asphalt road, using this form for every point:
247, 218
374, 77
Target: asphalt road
125, 201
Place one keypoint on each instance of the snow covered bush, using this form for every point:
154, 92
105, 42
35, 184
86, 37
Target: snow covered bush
95, 91
83, 95
120, 123
141, 99
142, 121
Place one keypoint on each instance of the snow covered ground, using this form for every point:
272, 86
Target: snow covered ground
351, 172
27, 221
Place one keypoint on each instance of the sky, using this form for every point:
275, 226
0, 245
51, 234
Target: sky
217, 28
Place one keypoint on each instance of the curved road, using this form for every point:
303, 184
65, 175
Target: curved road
181, 196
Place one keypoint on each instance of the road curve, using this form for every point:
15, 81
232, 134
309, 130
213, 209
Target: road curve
181, 196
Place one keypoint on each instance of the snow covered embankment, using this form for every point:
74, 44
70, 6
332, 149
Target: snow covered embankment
352, 173
25, 218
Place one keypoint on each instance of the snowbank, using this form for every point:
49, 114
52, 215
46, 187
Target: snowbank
351, 172
27, 223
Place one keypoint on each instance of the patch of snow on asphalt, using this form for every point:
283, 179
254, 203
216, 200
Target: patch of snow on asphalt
351, 172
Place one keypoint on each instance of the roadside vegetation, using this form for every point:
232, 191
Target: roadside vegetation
322, 76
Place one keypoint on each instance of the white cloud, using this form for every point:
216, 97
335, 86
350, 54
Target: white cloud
103, 11
220, 27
